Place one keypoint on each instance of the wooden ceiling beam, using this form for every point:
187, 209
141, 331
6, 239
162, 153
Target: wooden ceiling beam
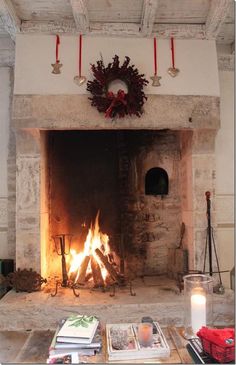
80, 13
115, 29
9, 19
218, 12
148, 16
49, 27
179, 31
163, 31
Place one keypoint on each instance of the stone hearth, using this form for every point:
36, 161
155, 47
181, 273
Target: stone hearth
157, 297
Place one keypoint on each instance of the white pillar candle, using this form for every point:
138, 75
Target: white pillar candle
198, 311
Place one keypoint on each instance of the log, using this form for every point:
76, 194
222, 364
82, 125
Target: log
88, 276
73, 276
82, 270
97, 274
115, 276
109, 281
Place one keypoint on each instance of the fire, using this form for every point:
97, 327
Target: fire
80, 264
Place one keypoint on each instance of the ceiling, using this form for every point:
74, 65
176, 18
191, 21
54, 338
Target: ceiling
183, 19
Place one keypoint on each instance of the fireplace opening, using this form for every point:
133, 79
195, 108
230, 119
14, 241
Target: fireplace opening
105, 190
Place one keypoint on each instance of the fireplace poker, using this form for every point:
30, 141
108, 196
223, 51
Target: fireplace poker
219, 289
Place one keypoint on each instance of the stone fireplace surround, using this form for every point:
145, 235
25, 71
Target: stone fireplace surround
196, 118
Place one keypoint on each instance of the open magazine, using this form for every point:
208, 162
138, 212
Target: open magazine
130, 348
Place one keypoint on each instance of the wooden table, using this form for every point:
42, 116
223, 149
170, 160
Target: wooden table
35, 350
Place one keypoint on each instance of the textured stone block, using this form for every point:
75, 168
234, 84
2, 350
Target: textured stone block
28, 180
3, 212
61, 111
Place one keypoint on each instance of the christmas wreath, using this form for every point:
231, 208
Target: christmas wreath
123, 103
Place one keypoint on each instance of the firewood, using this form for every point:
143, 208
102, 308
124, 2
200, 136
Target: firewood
97, 274
109, 281
83, 269
115, 276
88, 276
73, 276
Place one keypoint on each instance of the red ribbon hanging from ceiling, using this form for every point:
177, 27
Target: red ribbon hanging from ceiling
80, 54
155, 56
172, 51
57, 48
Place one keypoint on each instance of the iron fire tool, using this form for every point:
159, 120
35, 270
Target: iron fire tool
219, 289
62, 246
123, 279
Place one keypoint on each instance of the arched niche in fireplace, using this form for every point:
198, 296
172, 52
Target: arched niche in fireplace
156, 182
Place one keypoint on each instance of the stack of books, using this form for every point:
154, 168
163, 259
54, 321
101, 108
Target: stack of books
77, 335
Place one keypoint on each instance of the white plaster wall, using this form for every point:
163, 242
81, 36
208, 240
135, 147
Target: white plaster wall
5, 90
196, 60
225, 176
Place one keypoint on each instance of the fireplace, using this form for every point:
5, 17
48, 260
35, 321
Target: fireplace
129, 181
143, 175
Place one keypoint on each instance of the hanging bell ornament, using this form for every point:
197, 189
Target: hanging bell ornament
79, 80
172, 71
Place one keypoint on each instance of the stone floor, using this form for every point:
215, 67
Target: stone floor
158, 297
24, 346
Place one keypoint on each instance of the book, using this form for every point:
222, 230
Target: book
96, 343
78, 329
133, 350
82, 352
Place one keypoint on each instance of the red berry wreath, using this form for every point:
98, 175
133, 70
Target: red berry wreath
122, 103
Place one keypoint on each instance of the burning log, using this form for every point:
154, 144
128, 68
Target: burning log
83, 269
97, 274
109, 281
73, 276
115, 276
88, 276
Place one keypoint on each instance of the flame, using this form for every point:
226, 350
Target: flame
95, 239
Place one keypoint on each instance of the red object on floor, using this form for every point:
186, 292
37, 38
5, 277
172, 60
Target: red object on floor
218, 343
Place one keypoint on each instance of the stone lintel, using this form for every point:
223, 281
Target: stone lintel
75, 112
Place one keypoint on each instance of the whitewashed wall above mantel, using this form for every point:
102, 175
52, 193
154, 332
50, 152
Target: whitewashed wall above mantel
196, 59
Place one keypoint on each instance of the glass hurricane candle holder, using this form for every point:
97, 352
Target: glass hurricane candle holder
198, 290
145, 334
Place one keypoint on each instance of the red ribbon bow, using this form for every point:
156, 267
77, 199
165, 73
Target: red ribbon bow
115, 100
